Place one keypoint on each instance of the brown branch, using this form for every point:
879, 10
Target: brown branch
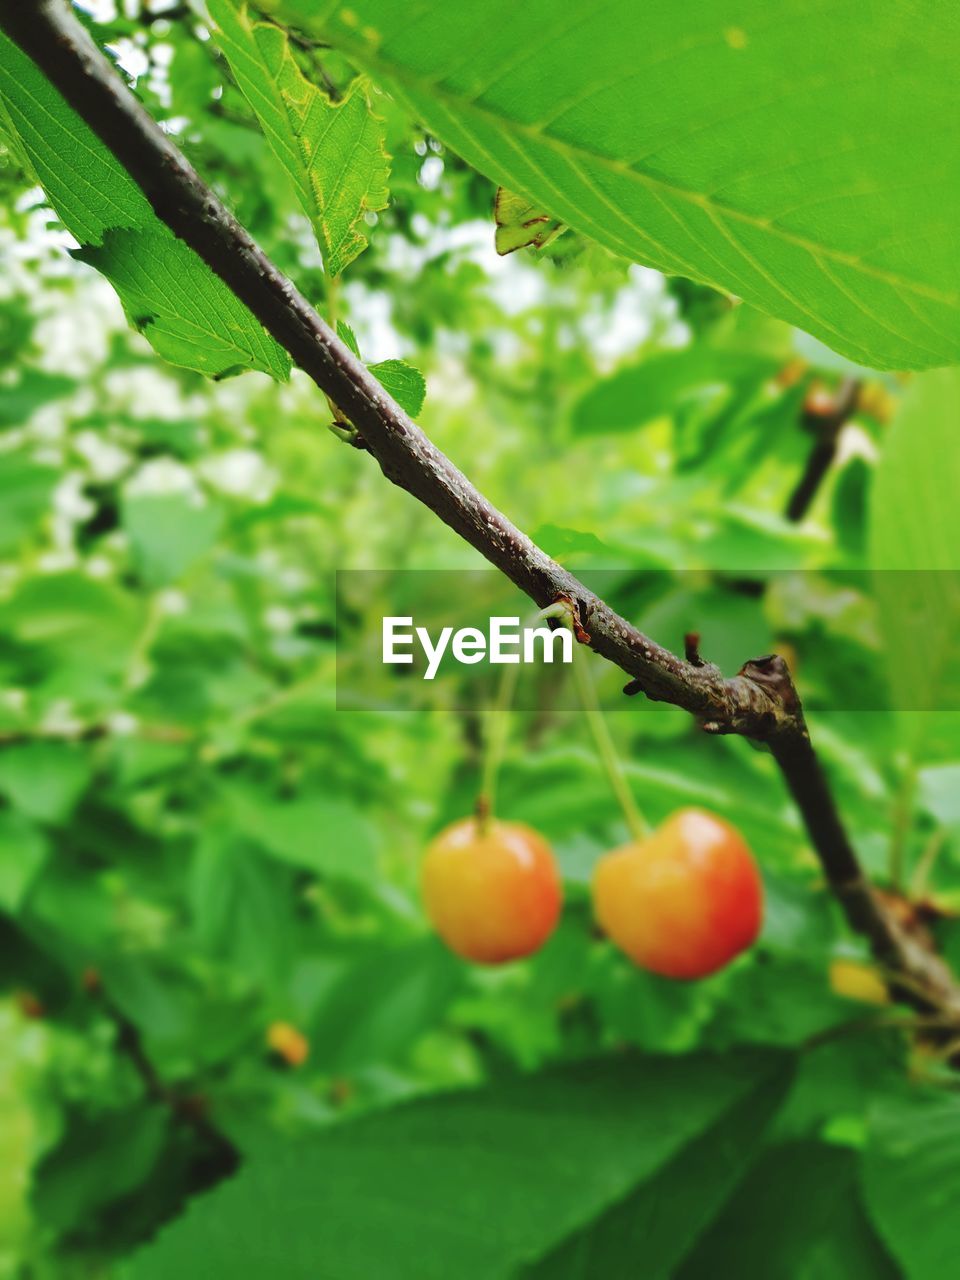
760, 702
221, 1157
825, 421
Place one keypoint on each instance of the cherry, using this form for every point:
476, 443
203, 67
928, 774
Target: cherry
683, 901
491, 889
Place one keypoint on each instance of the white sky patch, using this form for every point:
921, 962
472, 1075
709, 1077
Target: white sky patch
431, 173
854, 442
146, 392
100, 10
171, 602
643, 301
72, 341
130, 57
371, 318
69, 501
278, 620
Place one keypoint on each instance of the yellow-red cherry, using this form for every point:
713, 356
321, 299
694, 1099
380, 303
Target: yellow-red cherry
684, 901
491, 889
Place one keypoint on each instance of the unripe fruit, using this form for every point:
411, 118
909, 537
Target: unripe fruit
685, 900
288, 1043
855, 980
491, 890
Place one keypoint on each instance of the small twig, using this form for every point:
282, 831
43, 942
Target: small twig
920, 881
901, 821
691, 648
189, 1110
826, 421
875, 1022
307, 43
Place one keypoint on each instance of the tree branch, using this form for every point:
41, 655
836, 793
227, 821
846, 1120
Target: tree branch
760, 702
220, 1156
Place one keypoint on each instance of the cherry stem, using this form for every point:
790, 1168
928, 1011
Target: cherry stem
496, 731
610, 760
901, 824
920, 882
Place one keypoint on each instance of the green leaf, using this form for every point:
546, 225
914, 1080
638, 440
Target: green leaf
780, 161
401, 380
911, 1169
797, 1216
88, 188
241, 906
661, 1218
472, 1185
70, 609
663, 383
914, 516
97, 1162
189, 315
796, 917
404, 382
323, 833
34, 389
169, 532
347, 336
25, 492
333, 152
915, 546
19, 1139
44, 780
364, 1020
23, 851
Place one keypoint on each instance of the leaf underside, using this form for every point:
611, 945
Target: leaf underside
803, 158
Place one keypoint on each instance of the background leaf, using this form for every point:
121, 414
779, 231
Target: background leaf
911, 1168
797, 1216
23, 850
44, 780
488, 1178
915, 550
662, 1218
169, 532
321, 832
663, 383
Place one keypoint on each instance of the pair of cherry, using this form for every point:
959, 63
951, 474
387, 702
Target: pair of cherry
681, 902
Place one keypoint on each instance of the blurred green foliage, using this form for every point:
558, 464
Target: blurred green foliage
196, 845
